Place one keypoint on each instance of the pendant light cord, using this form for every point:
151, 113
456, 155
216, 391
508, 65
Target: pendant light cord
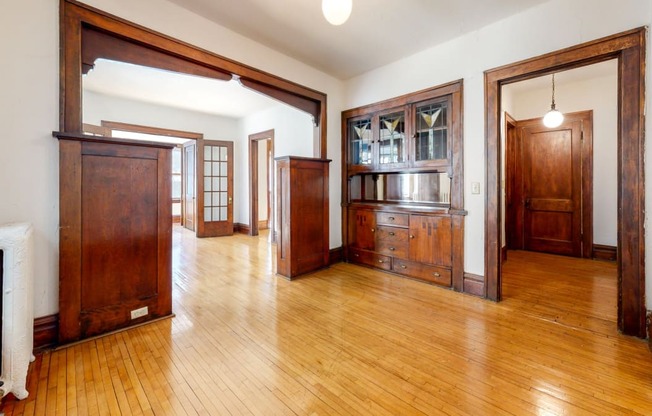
552, 106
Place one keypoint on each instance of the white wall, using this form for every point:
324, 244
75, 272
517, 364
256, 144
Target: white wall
549, 27
293, 135
98, 107
29, 112
601, 96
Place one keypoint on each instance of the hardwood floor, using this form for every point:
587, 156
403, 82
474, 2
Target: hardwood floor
350, 340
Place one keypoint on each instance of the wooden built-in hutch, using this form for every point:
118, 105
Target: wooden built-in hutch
402, 184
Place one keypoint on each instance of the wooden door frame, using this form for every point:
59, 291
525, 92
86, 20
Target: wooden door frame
253, 177
586, 190
88, 33
629, 49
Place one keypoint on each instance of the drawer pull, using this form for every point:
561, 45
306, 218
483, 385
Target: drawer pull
373, 230
436, 274
356, 255
381, 261
411, 236
391, 218
392, 249
403, 266
392, 233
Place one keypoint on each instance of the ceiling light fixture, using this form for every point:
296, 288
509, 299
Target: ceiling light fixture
336, 11
554, 117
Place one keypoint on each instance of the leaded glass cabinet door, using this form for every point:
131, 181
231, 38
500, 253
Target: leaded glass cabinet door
216, 212
361, 150
392, 144
431, 135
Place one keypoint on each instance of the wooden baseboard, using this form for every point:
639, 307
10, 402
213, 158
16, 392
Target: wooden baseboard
241, 228
336, 255
46, 332
503, 254
474, 285
649, 330
263, 225
602, 252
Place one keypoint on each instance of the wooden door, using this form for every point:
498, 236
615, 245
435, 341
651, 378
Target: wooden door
215, 189
189, 181
362, 230
552, 187
430, 239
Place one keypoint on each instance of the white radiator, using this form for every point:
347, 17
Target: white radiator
17, 307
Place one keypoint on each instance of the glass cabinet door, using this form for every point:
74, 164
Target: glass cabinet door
360, 142
431, 135
391, 141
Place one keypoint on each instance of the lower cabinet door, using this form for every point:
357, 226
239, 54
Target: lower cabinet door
439, 275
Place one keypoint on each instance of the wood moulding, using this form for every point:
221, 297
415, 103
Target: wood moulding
241, 228
335, 255
629, 49
46, 332
603, 252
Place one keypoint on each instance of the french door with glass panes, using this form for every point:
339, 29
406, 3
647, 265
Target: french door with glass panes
215, 189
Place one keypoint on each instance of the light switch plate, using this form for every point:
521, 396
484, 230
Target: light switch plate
475, 187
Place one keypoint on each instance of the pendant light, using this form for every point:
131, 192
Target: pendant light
554, 117
336, 11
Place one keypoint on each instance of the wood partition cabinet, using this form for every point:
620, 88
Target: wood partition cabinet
402, 186
115, 234
302, 215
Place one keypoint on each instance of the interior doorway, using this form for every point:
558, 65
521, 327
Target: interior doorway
261, 183
628, 48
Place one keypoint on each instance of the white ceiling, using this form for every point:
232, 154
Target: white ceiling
172, 89
377, 33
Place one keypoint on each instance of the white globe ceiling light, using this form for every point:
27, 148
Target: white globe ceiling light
554, 117
336, 11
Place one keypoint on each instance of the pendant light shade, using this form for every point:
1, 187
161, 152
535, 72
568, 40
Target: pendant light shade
336, 11
554, 117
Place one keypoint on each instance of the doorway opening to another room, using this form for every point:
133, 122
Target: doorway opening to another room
261, 184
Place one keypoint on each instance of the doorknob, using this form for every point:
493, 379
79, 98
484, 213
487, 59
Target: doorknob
230, 200
527, 203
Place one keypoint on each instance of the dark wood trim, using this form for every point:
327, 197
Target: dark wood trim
158, 131
46, 332
77, 20
474, 285
649, 330
503, 254
336, 255
253, 177
629, 48
602, 252
241, 228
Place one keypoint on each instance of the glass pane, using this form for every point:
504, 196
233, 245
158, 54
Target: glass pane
207, 199
392, 138
207, 184
223, 169
223, 154
216, 184
223, 214
176, 160
207, 152
216, 199
360, 141
216, 168
223, 199
216, 214
223, 185
207, 168
216, 153
176, 186
207, 214
431, 140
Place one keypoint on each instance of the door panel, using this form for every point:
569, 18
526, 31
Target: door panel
189, 184
215, 218
552, 188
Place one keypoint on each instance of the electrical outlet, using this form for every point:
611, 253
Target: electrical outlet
137, 313
475, 187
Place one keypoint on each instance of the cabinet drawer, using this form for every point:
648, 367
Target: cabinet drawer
392, 234
392, 248
392, 218
371, 259
433, 274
